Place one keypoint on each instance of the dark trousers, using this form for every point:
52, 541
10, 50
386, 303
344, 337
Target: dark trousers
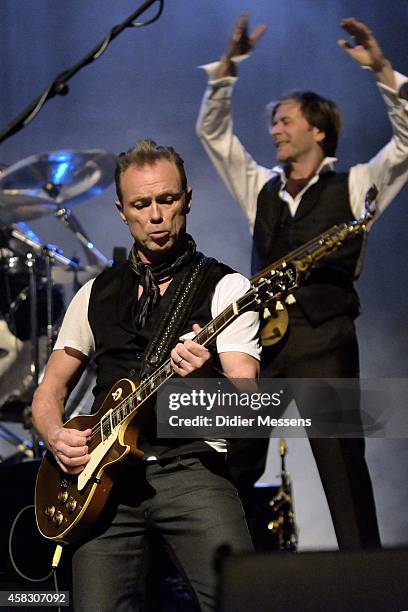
194, 508
329, 350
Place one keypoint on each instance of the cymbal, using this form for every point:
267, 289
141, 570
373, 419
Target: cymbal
42, 184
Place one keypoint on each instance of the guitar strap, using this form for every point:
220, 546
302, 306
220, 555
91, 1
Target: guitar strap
171, 325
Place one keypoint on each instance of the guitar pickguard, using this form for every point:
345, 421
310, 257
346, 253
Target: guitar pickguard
96, 457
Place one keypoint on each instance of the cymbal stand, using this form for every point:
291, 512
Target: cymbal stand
34, 275
48, 258
31, 264
93, 255
38, 253
17, 233
48, 253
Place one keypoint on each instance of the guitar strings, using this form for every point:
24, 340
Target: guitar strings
202, 338
303, 250
147, 389
357, 225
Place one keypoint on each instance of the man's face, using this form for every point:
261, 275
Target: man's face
294, 138
155, 207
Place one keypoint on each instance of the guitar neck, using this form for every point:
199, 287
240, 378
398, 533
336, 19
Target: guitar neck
307, 255
271, 284
206, 336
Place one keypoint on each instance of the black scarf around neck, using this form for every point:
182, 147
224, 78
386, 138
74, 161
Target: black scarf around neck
150, 276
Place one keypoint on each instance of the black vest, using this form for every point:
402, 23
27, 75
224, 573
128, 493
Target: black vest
328, 291
120, 344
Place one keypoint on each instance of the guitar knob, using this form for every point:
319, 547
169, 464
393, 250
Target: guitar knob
72, 504
58, 518
50, 511
63, 496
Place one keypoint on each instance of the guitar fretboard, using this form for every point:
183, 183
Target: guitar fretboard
276, 280
148, 387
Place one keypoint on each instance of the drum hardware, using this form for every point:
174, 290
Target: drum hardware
30, 300
25, 236
47, 255
34, 366
42, 184
15, 306
38, 278
39, 185
69, 271
94, 256
16, 288
35, 272
34, 340
24, 448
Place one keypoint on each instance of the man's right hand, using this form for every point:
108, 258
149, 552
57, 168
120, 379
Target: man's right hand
239, 43
70, 449
366, 51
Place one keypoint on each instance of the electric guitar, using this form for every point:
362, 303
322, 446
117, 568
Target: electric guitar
66, 505
275, 320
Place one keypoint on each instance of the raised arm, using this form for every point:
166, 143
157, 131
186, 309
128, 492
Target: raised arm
365, 50
243, 177
240, 43
388, 169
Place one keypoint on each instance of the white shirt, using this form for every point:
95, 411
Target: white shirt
239, 336
388, 170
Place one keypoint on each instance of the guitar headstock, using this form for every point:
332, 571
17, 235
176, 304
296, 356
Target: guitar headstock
276, 284
272, 286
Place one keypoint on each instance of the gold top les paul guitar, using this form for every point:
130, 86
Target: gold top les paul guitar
66, 505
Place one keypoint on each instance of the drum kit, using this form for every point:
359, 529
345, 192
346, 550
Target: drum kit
33, 274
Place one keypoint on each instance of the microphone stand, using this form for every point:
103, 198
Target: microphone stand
59, 85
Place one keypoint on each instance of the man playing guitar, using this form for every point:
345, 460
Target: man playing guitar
179, 487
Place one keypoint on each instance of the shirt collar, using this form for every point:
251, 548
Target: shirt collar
326, 166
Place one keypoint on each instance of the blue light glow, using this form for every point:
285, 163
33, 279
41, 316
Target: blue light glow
28, 232
59, 173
